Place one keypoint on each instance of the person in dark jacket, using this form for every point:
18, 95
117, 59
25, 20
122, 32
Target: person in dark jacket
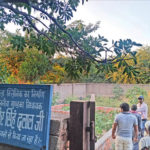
139, 120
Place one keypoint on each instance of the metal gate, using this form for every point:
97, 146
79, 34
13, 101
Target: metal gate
82, 124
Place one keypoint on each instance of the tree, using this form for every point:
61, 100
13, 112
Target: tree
140, 75
121, 75
35, 64
56, 75
10, 62
143, 64
55, 13
74, 40
4, 73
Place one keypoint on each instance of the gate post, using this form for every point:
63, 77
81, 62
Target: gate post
82, 125
92, 120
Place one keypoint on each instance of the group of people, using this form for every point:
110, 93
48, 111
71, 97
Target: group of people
131, 128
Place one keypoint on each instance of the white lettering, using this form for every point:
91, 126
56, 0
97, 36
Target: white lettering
39, 124
37, 139
17, 104
3, 134
1, 116
33, 105
37, 93
23, 138
27, 94
1, 93
10, 118
9, 134
4, 103
14, 92
30, 139
25, 121
16, 136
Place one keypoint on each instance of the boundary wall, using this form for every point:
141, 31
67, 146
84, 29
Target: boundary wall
85, 89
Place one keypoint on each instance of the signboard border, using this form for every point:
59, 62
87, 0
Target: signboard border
48, 114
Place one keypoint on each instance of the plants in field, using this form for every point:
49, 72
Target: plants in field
55, 99
134, 92
103, 122
117, 91
107, 102
69, 99
66, 108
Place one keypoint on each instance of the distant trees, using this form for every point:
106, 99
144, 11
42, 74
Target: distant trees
142, 66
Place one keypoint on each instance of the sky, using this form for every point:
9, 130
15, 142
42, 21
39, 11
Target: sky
119, 19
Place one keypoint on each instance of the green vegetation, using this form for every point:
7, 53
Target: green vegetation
103, 122
69, 99
55, 99
117, 91
133, 93
108, 102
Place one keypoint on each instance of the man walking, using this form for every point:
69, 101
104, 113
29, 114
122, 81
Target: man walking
123, 127
142, 109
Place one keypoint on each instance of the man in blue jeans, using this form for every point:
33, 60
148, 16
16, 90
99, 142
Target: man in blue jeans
142, 109
123, 126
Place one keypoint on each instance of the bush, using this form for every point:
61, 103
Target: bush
34, 66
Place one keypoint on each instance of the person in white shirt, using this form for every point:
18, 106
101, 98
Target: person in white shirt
142, 109
144, 143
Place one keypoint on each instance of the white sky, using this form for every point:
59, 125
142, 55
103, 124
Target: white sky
120, 19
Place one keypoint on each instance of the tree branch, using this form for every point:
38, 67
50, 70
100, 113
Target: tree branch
28, 17
15, 1
30, 22
62, 29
